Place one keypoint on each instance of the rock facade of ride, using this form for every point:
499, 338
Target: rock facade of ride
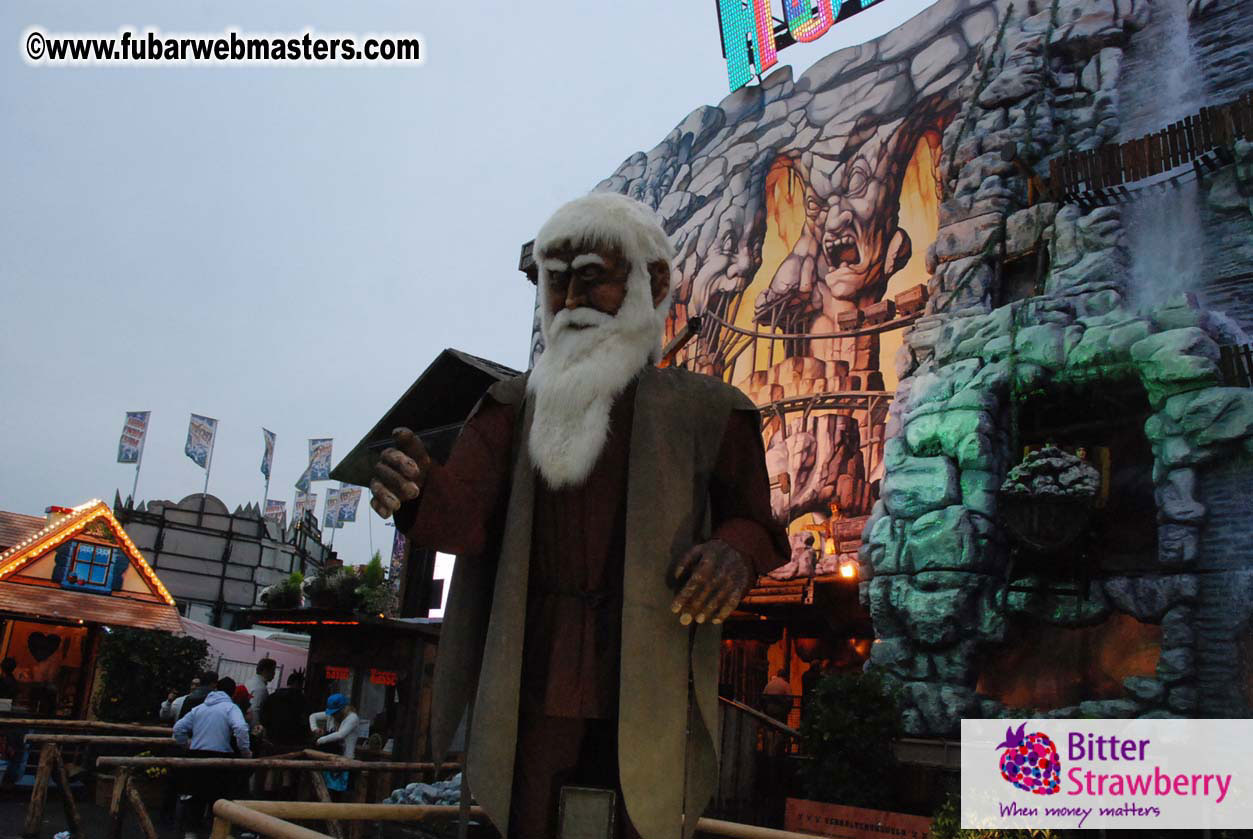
934, 556
1007, 87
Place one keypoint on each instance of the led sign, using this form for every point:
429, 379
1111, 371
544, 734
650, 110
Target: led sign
752, 37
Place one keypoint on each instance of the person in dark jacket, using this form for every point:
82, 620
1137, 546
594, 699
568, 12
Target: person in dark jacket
285, 715
284, 728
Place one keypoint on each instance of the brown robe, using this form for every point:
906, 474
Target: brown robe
577, 547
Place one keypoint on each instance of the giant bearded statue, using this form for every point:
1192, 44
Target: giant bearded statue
608, 516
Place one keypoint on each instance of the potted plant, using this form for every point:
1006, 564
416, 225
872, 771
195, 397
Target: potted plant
285, 594
1046, 501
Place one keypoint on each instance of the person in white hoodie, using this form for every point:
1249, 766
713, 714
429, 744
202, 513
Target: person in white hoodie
340, 721
216, 728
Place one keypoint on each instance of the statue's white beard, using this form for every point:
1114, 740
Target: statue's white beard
577, 378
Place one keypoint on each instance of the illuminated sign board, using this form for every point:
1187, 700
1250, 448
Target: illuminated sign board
752, 37
383, 677
336, 674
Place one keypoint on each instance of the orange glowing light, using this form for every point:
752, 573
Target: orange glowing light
848, 570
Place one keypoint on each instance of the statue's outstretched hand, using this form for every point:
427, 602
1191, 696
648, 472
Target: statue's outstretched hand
399, 474
714, 578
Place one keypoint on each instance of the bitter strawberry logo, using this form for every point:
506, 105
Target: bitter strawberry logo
1030, 762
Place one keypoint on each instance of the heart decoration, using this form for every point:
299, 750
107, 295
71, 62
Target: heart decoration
42, 645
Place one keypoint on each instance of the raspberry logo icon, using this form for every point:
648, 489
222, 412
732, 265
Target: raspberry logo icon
1029, 761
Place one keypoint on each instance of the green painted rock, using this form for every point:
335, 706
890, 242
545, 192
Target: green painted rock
979, 491
1042, 345
920, 485
941, 432
1176, 361
1105, 345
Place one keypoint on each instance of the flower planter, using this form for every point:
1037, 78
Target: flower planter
1046, 524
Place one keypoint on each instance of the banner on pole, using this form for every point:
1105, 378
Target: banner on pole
349, 498
330, 514
396, 570
306, 502
267, 458
133, 432
200, 434
320, 459
302, 483
276, 511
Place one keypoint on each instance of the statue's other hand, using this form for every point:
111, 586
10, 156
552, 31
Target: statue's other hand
399, 473
714, 578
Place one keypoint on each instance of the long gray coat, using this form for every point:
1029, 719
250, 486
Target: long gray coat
678, 424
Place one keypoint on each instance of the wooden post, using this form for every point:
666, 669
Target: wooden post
359, 796
39, 794
67, 797
324, 795
141, 812
121, 781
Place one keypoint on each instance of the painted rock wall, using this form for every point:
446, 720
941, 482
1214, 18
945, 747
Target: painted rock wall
801, 209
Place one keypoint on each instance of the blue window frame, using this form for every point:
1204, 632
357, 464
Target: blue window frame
89, 567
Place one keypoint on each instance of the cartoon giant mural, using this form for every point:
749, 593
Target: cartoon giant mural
797, 209
1002, 246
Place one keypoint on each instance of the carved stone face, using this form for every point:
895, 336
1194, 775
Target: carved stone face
852, 242
860, 221
730, 244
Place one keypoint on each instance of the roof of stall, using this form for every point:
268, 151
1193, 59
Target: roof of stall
435, 405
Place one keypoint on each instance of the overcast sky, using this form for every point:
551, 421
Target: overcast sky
290, 247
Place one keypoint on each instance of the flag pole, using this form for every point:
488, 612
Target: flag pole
139, 461
265, 495
208, 465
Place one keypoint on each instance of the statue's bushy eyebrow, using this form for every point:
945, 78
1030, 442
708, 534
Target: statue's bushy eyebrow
588, 259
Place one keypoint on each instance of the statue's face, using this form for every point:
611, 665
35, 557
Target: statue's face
579, 276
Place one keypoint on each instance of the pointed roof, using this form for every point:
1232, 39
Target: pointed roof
14, 527
65, 527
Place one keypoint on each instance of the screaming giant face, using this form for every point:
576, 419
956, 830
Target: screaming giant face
852, 242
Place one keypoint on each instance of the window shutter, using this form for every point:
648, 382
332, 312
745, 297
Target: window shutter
120, 563
62, 563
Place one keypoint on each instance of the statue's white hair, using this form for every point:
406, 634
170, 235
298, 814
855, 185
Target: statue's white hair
609, 219
581, 372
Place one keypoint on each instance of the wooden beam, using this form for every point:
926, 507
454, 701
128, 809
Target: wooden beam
324, 795
261, 823
370, 812
39, 793
120, 781
86, 725
101, 740
270, 763
141, 812
67, 797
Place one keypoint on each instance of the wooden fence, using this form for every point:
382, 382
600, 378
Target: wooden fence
52, 759
1236, 363
309, 762
1213, 129
270, 818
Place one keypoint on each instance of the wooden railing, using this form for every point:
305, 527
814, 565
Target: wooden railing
1212, 129
1235, 361
52, 758
270, 818
311, 762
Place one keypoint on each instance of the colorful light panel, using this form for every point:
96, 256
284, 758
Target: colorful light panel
748, 37
814, 23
